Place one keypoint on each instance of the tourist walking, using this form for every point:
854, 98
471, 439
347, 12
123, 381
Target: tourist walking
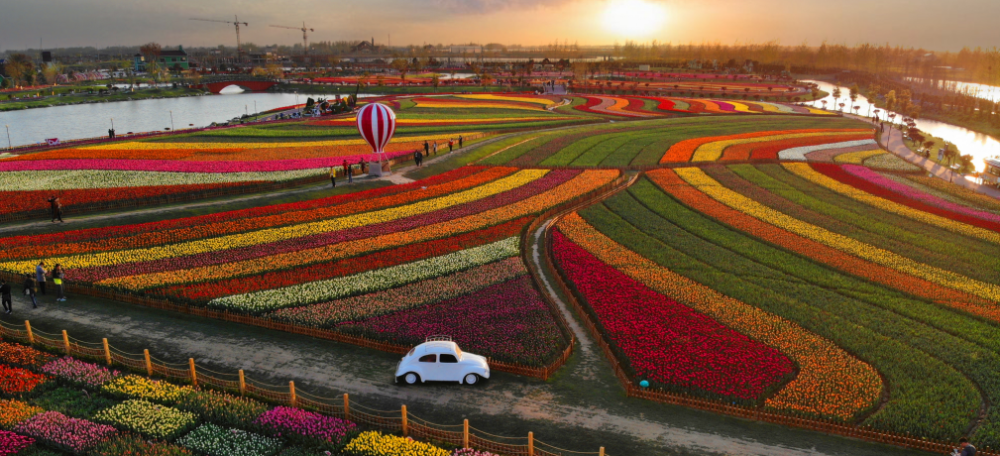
5, 297
57, 280
451, 145
333, 176
427, 148
435, 148
29, 290
461, 141
964, 448
40, 276
56, 207
418, 157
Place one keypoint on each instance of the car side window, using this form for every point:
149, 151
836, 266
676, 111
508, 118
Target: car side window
449, 359
428, 359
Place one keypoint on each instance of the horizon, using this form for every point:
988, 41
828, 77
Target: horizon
588, 23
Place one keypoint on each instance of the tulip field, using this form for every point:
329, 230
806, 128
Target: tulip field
834, 291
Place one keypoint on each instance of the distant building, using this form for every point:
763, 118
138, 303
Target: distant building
466, 49
174, 60
138, 63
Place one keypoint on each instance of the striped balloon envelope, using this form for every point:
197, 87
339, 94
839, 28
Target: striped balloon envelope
376, 123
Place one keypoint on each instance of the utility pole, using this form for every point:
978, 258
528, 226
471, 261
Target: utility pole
171, 121
9, 146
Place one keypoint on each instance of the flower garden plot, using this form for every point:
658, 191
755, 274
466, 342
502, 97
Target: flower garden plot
74, 402
911, 342
148, 419
377, 444
221, 408
15, 381
138, 387
79, 372
20, 355
69, 434
14, 412
11, 443
213, 440
309, 428
134, 445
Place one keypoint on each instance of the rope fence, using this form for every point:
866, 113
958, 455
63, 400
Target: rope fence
394, 421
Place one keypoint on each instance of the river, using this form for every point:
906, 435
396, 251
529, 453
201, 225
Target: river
969, 142
986, 92
32, 126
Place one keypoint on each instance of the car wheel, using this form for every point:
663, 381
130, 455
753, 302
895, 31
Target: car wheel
411, 378
471, 379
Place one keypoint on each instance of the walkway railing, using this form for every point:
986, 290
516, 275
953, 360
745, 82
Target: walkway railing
393, 421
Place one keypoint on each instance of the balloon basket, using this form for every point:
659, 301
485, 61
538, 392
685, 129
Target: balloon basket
376, 169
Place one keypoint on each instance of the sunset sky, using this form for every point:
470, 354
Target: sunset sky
932, 24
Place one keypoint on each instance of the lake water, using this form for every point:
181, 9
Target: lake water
31, 126
978, 145
986, 92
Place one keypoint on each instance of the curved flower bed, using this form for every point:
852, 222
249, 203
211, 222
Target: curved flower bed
79, 372
11, 443
213, 440
21, 355
309, 427
15, 381
377, 444
148, 419
13, 412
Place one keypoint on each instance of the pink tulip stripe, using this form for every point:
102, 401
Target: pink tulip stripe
549, 181
178, 166
910, 192
71, 434
11, 443
294, 422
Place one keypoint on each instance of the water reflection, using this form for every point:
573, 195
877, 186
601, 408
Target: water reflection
986, 92
969, 142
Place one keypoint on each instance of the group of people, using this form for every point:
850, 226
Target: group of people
35, 285
418, 156
348, 171
56, 205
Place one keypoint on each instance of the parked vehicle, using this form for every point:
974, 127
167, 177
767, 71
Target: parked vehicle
439, 359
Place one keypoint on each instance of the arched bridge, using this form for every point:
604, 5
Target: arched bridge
248, 83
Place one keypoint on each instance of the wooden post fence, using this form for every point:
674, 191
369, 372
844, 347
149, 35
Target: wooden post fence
347, 407
531, 444
291, 393
465, 433
243, 384
31, 335
194, 374
406, 427
149, 364
107, 350
66, 342
601, 453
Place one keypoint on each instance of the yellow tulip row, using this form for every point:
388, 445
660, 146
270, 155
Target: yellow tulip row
698, 179
857, 158
541, 101
805, 171
282, 233
585, 182
830, 382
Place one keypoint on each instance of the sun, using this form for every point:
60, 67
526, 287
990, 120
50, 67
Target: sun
633, 18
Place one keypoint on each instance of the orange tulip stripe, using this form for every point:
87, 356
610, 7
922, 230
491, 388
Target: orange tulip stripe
830, 383
634, 106
768, 150
711, 147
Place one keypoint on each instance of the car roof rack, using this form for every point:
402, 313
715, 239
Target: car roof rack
438, 339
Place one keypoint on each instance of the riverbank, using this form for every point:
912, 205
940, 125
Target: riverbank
63, 97
387, 90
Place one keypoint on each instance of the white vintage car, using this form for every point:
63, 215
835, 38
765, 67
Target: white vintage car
440, 360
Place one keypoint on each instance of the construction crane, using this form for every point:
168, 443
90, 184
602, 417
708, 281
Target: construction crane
237, 23
305, 35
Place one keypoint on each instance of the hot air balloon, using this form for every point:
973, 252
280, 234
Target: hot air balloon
377, 123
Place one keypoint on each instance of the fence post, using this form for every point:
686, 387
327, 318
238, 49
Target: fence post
243, 384
601, 452
465, 433
66, 341
107, 350
291, 393
531, 444
406, 427
194, 374
149, 364
347, 407
31, 336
